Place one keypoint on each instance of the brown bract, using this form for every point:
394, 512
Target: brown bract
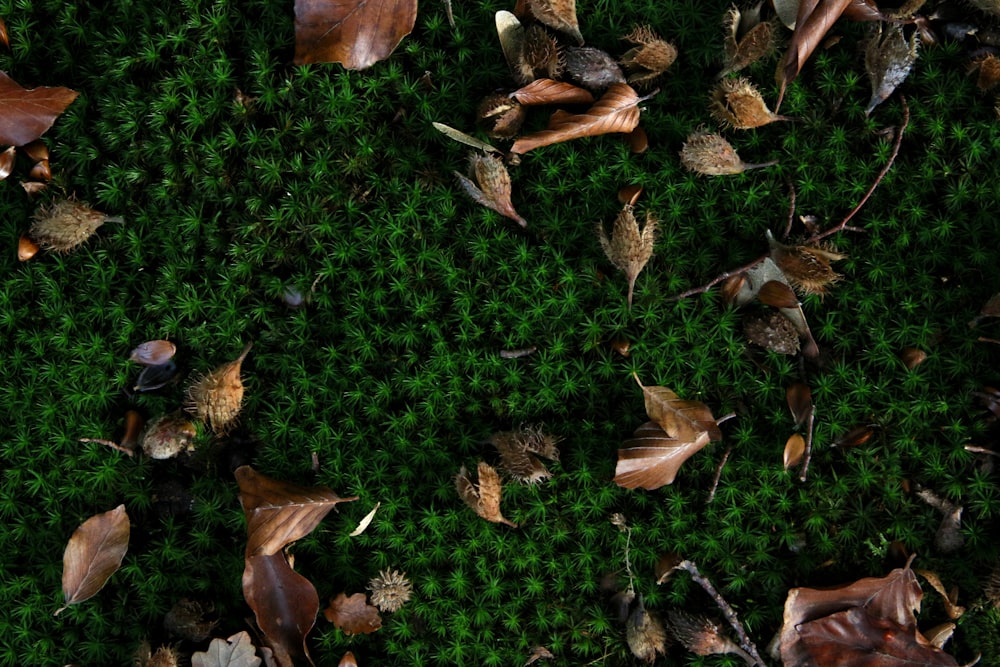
236, 651
94, 552
356, 33
25, 114
483, 497
629, 248
616, 111
353, 614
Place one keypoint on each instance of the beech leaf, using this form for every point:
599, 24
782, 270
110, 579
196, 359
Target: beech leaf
813, 21
679, 418
94, 552
284, 603
278, 513
651, 458
549, 91
483, 497
355, 33
616, 111
353, 614
237, 651
25, 115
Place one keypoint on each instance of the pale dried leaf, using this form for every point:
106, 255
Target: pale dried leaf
94, 552
463, 138
651, 458
629, 248
485, 497
364, 523
236, 651
888, 61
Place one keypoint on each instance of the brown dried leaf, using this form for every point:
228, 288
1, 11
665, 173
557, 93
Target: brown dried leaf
559, 15
355, 33
616, 111
679, 418
278, 513
94, 552
484, 498
651, 458
26, 115
795, 449
7, 162
888, 61
799, 397
236, 651
629, 249
951, 606
463, 138
548, 91
353, 614
813, 21
494, 187
284, 603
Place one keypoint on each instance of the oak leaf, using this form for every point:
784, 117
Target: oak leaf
616, 111
236, 651
492, 187
548, 91
25, 115
94, 552
355, 33
628, 248
278, 513
483, 497
353, 614
284, 603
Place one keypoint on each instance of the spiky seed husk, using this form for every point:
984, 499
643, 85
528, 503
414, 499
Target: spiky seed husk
390, 590
987, 71
66, 224
650, 58
501, 116
165, 656
187, 620
747, 39
492, 188
628, 248
540, 58
645, 633
216, 398
772, 331
711, 155
700, 635
737, 103
519, 451
888, 61
806, 267
992, 587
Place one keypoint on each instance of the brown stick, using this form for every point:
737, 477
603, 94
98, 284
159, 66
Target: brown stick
727, 611
807, 453
108, 443
718, 475
816, 237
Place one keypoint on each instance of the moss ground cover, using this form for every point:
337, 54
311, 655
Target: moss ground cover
392, 374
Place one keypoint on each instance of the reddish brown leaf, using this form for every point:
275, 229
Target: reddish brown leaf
237, 651
547, 91
355, 33
284, 603
652, 458
353, 614
7, 162
94, 552
25, 115
278, 513
814, 20
799, 397
616, 111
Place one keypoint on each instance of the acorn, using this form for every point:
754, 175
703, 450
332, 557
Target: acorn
500, 116
738, 104
650, 58
26, 248
712, 155
216, 398
66, 225
806, 267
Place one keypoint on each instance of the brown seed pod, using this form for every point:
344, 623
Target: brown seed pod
712, 155
772, 331
26, 248
169, 435
500, 116
701, 635
540, 58
738, 104
645, 634
66, 224
216, 398
650, 58
747, 39
806, 267
592, 68
390, 590
7, 159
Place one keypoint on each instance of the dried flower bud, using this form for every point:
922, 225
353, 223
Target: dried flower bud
712, 155
738, 104
390, 590
501, 116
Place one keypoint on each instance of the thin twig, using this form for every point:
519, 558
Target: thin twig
842, 226
791, 210
807, 452
984, 339
981, 450
108, 443
727, 611
718, 475
451, 15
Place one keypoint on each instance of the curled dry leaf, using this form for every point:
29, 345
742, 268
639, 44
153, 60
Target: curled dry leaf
616, 111
484, 497
548, 91
355, 33
353, 614
236, 651
557, 14
951, 606
888, 61
737, 103
94, 552
492, 188
366, 521
629, 248
710, 154
216, 398
284, 604
25, 115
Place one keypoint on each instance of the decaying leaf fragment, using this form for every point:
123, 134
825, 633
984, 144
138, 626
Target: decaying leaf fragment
236, 651
649, 58
216, 398
25, 115
748, 39
629, 248
492, 188
355, 33
353, 614
736, 103
94, 552
484, 497
888, 61
678, 430
520, 451
557, 14
616, 111
712, 155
